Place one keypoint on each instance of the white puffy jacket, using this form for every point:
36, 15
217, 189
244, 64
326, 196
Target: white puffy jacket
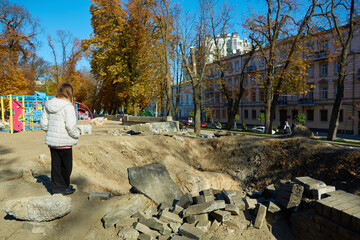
58, 119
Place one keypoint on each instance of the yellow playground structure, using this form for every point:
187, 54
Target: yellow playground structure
22, 112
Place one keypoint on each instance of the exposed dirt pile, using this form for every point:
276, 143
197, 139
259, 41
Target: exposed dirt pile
101, 161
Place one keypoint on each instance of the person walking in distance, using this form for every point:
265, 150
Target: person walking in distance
287, 128
59, 121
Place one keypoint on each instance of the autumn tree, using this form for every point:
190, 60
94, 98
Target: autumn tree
279, 35
343, 35
196, 68
18, 30
122, 53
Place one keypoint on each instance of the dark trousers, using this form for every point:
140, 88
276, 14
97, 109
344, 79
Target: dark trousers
61, 167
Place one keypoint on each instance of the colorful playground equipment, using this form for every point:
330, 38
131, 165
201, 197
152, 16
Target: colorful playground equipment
23, 112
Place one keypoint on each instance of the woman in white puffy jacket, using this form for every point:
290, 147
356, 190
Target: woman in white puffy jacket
58, 119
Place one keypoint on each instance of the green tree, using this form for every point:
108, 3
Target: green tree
300, 118
261, 117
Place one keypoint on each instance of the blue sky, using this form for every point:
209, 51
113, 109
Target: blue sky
74, 16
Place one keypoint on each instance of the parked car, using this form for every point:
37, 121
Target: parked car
261, 129
213, 125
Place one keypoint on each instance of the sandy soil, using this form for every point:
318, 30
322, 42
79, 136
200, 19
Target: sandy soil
101, 161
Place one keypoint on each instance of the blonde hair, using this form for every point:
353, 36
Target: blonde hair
65, 91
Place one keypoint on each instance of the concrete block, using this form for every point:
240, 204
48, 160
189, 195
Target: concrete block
291, 187
234, 210
175, 227
190, 219
325, 222
214, 225
34, 227
204, 225
177, 209
337, 211
209, 198
269, 191
153, 223
318, 193
250, 203
220, 215
125, 222
309, 184
164, 237
260, 216
178, 237
348, 234
144, 236
273, 208
207, 192
190, 231
185, 201
200, 199
355, 223
128, 233
168, 217
232, 224
347, 214
145, 229
204, 208
239, 202
227, 197
99, 196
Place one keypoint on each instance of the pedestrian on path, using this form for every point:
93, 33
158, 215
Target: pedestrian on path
59, 121
287, 128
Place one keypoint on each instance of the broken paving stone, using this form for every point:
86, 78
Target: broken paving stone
207, 192
250, 203
99, 196
178, 237
190, 219
177, 209
289, 194
129, 221
190, 231
220, 215
34, 227
260, 216
185, 201
144, 236
204, 225
145, 229
39, 209
169, 217
214, 225
175, 227
128, 233
204, 208
127, 207
154, 223
200, 199
273, 208
231, 223
234, 210
154, 181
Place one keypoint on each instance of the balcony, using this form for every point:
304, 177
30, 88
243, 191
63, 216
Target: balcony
306, 102
321, 55
251, 69
282, 103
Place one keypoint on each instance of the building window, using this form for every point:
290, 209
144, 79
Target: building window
337, 67
224, 114
245, 81
230, 67
253, 114
253, 95
341, 117
323, 69
246, 114
310, 115
262, 96
236, 66
310, 70
323, 115
323, 93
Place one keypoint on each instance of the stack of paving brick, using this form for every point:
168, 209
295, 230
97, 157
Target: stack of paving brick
289, 194
335, 217
190, 218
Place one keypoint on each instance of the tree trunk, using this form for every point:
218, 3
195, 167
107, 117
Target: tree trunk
197, 105
134, 108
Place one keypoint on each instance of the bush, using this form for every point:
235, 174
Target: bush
244, 126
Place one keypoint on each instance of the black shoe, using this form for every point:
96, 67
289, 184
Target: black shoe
71, 187
68, 191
